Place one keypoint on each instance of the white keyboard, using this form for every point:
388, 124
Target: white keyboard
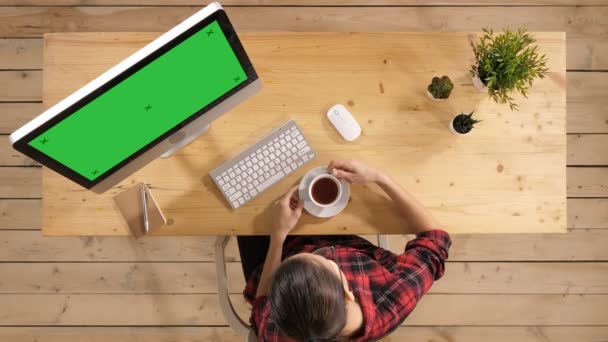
266, 162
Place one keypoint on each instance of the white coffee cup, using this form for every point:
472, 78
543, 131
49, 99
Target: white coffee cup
318, 201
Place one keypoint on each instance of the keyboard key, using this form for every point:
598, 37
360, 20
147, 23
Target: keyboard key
301, 144
241, 201
295, 134
252, 193
225, 187
247, 197
270, 181
304, 150
235, 204
287, 169
235, 196
230, 191
220, 181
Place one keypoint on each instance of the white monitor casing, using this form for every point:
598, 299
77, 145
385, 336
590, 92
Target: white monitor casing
173, 142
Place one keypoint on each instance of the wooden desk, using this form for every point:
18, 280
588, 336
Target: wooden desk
508, 176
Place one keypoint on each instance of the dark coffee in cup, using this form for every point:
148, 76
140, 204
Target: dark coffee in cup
325, 190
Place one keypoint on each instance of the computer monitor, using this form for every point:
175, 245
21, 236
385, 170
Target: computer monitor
152, 103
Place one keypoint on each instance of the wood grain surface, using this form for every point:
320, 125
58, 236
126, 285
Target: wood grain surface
517, 183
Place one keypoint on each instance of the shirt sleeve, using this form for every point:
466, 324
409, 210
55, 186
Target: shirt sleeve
259, 315
408, 277
424, 258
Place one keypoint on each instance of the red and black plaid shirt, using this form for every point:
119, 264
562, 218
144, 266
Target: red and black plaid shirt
386, 285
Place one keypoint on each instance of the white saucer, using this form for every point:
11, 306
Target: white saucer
316, 210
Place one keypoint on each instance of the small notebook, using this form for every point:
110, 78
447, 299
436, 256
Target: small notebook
130, 204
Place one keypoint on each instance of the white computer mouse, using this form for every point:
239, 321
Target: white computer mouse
344, 122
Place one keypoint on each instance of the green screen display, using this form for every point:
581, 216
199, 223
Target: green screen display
145, 105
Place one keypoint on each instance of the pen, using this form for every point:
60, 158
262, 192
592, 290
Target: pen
145, 207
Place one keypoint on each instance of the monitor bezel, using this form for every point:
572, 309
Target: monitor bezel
22, 145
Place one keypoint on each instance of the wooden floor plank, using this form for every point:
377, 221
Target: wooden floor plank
20, 182
20, 85
587, 181
588, 149
25, 246
520, 247
587, 102
34, 21
229, 3
15, 115
203, 309
225, 334
20, 214
587, 213
587, 53
11, 157
498, 334
31, 246
185, 278
21, 53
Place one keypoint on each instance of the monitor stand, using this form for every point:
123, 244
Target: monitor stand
184, 137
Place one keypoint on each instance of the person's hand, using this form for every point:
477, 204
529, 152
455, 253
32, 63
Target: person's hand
287, 212
354, 171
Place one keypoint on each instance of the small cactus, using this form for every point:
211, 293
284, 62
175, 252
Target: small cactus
463, 123
441, 88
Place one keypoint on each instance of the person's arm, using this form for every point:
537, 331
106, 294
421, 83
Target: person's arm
287, 213
356, 171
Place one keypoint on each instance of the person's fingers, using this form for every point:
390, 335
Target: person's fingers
299, 207
289, 194
340, 164
343, 175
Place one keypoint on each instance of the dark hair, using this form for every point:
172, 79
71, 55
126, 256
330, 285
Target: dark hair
307, 300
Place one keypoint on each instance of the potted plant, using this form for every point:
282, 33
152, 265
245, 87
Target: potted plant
463, 123
440, 88
506, 62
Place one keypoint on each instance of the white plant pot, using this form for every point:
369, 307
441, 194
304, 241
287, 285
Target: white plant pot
454, 130
430, 96
478, 84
